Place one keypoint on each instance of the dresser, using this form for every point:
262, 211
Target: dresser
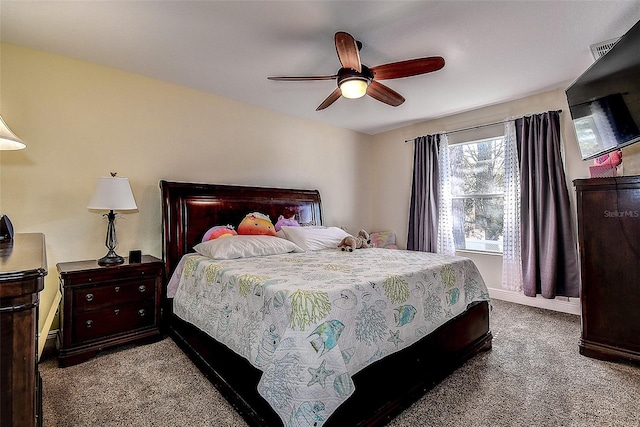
609, 238
107, 306
23, 266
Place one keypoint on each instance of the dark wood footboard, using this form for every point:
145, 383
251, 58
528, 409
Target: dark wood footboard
383, 389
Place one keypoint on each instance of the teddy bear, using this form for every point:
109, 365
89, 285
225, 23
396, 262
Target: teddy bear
361, 241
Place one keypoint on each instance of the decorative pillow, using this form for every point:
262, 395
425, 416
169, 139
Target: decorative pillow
257, 223
383, 239
289, 222
245, 246
219, 231
315, 238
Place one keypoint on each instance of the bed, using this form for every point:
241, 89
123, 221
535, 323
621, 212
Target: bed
366, 392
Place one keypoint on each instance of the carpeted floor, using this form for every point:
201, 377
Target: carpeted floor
533, 376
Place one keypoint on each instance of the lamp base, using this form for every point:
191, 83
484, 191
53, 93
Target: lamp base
111, 258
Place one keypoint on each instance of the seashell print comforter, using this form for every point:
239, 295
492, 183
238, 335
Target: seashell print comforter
310, 321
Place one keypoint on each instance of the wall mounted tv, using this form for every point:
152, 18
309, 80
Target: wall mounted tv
605, 101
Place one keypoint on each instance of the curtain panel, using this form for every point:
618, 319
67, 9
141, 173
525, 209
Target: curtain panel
423, 212
511, 237
549, 250
446, 244
430, 221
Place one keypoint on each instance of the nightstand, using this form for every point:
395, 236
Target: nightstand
105, 307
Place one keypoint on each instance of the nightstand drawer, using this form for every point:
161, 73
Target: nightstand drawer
113, 320
117, 292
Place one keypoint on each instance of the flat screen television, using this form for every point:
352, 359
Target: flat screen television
605, 100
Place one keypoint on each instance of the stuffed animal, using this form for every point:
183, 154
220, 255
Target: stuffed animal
219, 231
288, 222
613, 159
361, 241
257, 223
364, 239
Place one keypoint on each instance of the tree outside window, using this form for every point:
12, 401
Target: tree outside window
477, 186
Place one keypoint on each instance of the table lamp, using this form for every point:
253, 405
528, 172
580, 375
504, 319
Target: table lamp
113, 194
8, 141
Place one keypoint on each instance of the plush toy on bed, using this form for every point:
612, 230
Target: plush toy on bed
219, 231
257, 223
286, 222
361, 241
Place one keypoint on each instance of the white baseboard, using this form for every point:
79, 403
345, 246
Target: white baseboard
564, 305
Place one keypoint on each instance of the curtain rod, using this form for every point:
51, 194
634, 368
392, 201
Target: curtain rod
475, 127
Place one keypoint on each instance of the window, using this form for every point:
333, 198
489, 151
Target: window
477, 187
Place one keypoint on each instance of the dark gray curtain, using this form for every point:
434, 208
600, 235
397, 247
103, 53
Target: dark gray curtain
423, 213
549, 252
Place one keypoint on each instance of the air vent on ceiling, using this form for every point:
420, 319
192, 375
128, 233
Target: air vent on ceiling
599, 49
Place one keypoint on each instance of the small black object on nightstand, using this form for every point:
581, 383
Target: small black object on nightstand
135, 257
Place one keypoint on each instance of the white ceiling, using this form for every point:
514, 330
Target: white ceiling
495, 51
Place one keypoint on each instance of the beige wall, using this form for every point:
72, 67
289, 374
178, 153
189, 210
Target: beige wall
81, 121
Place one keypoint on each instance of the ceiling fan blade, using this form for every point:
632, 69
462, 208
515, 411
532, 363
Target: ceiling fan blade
337, 93
302, 78
384, 94
348, 52
412, 67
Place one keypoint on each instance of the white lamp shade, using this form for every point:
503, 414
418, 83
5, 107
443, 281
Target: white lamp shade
112, 193
8, 139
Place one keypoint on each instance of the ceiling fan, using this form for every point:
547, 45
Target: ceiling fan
355, 79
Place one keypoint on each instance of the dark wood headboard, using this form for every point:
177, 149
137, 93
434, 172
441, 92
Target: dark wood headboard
190, 209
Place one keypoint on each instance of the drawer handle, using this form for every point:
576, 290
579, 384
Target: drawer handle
117, 288
89, 297
142, 288
141, 312
89, 323
116, 311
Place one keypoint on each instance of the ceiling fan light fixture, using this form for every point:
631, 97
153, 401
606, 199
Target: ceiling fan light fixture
356, 79
354, 87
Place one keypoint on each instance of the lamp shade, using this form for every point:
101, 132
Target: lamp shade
8, 139
112, 193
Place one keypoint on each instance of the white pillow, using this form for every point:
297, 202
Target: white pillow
315, 238
244, 246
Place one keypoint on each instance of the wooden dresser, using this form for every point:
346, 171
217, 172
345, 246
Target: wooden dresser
107, 306
23, 265
609, 237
